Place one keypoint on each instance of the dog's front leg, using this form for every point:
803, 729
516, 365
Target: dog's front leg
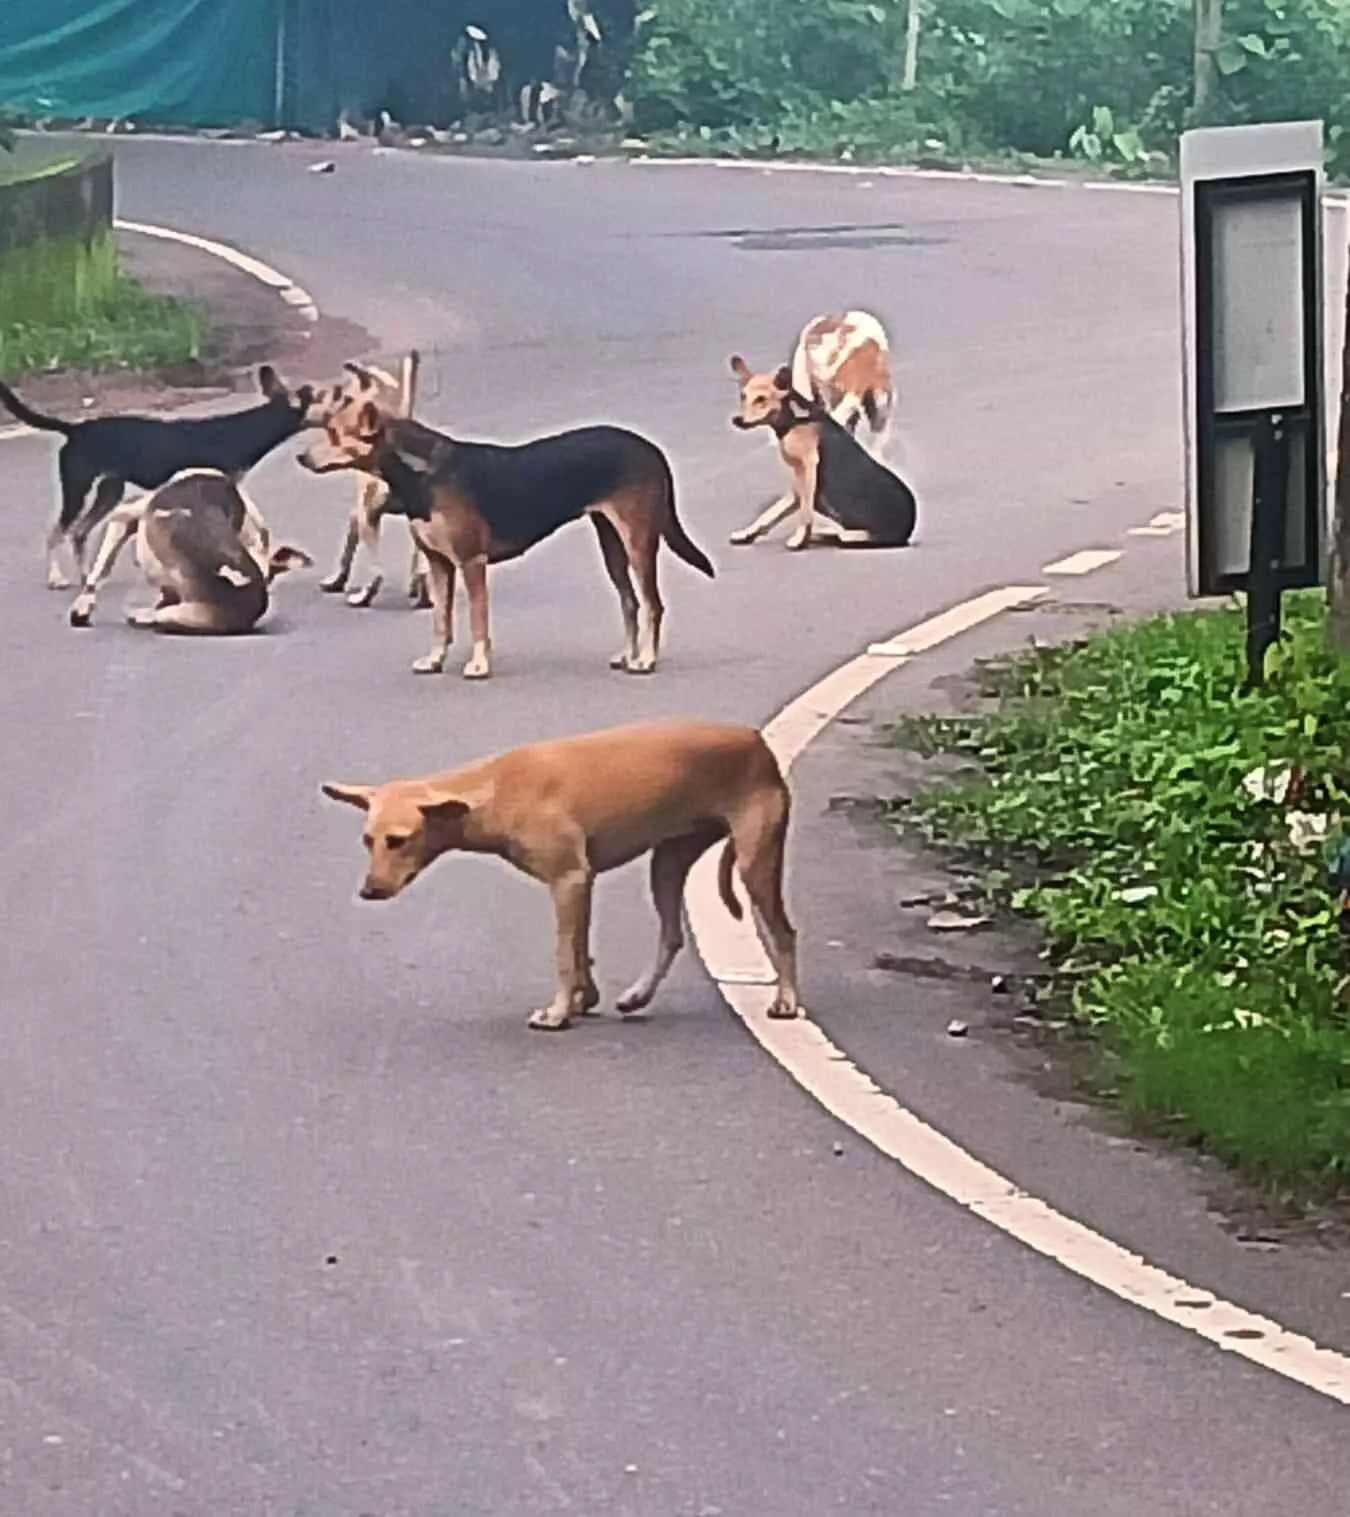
766, 521
369, 513
808, 478
121, 526
475, 583
576, 993
336, 582
441, 575
419, 592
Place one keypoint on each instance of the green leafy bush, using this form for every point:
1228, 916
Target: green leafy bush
1109, 83
1129, 799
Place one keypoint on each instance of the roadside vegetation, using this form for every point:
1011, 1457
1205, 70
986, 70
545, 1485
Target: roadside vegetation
1178, 843
65, 302
1111, 84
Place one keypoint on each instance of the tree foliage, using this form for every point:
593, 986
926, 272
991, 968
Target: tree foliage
1108, 82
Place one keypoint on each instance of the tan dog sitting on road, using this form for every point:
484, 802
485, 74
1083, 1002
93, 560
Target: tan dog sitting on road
567, 810
372, 495
203, 545
841, 492
843, 364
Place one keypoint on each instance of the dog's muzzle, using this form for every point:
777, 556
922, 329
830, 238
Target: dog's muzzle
372, 892
741, 423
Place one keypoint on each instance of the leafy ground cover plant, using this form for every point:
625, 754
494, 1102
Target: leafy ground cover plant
1178, 843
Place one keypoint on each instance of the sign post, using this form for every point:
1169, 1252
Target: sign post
1252, 328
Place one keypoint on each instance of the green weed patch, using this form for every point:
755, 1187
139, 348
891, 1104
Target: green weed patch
1175, 839
65, 303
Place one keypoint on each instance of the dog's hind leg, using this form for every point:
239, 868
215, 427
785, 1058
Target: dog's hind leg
188, 618
76, 480
636, 519
671, 863
759, 837
616, 565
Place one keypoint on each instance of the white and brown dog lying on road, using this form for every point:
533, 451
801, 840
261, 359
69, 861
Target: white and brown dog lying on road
203, 545
565, 811
368, 383
842, 363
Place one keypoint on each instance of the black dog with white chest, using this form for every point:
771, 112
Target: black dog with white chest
105, 454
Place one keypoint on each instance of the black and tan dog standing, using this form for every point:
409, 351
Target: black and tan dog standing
473, 504
568, 810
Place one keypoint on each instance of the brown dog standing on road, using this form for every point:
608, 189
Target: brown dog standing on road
472, 504
567, 810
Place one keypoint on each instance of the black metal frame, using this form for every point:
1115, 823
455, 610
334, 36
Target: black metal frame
1273, 433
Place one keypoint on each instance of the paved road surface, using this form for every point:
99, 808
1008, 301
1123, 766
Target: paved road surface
295, 1218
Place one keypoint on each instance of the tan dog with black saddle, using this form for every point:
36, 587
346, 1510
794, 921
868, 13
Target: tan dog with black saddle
567, 810
372, 494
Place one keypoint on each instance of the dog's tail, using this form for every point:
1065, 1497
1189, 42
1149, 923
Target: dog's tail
726, 880
31, 418
677, 539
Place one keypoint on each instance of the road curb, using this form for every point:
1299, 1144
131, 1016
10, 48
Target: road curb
296, 296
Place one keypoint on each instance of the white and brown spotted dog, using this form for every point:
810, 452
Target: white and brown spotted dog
843, 363
368, 383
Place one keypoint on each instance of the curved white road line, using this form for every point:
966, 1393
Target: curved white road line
293, 294
298, 298
736, 960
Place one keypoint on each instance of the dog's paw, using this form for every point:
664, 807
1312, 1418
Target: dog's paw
783, 1008
740, 538
429, 663
81, 614
642, 663
420, 595
334, 584
57, 581
799, 540
365, 596
477, 668
636, 998
546, 1019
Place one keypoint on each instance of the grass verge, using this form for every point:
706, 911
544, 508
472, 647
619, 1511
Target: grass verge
1174, 839
65, 303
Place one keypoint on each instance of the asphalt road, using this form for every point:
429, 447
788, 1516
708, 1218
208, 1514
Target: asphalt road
295, 1217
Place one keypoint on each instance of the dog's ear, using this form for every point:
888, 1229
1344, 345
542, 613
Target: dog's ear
782, 380
271, 383
368, 420
359, 371
739, 367
350, 795
287, 557
444, 809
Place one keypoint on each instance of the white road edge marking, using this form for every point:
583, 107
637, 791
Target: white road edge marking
1084, 561
294, 295
1164, 524
735, 958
